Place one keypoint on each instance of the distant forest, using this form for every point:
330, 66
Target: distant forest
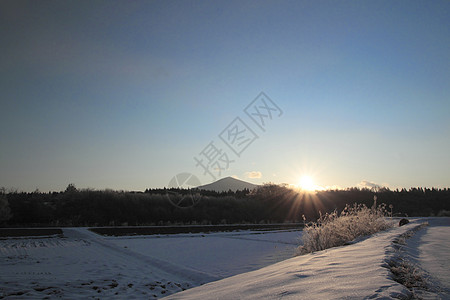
267, 204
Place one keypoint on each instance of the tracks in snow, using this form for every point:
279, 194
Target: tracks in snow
139, 260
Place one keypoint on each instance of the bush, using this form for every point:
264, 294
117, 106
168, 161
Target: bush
332, 230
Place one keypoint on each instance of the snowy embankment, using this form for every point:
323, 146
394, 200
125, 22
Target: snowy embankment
428, 250
357, 271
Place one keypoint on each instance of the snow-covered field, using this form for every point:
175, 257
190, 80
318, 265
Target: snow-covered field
84, 264
237, 265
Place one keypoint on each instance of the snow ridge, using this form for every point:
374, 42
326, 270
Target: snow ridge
403, 260
357, 271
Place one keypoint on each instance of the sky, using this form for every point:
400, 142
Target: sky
127, 95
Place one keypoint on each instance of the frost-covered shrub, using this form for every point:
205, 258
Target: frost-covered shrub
408, 274
334, 229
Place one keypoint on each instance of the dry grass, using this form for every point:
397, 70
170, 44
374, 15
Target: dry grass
332, 230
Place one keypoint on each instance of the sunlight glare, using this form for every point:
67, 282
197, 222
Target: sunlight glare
306, 183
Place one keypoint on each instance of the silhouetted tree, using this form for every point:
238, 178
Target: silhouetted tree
71, 188
268, 203
5, 211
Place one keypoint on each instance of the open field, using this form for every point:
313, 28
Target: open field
83, 264
248, 264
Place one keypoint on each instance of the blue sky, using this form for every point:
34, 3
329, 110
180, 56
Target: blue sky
124, 94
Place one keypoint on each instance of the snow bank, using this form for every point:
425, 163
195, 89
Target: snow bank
350, 272
429, 252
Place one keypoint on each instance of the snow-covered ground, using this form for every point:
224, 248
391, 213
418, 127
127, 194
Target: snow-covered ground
84, 264
357, 271
219, 255
429, 250
234, 265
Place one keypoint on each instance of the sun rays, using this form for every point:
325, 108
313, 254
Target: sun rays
306, 184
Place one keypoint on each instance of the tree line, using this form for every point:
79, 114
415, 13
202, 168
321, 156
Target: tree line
269, 203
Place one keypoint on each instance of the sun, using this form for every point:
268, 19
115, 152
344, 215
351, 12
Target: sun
306, 183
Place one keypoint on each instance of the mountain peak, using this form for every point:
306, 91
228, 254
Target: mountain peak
226, 184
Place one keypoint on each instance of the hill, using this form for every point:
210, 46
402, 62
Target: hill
226, 184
